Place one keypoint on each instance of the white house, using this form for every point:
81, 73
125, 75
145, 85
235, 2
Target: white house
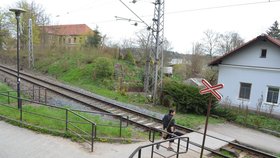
251, 74
175, 61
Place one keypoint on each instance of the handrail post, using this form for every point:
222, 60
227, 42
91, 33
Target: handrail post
20, 111
154, 136
39, 94
66, 121
178, 147
120, 126
152, 153
33, 92
45, 95
139, 153
92, 135
8, 97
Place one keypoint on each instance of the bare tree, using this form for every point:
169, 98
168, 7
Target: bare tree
229, 41
210, 42
196, 59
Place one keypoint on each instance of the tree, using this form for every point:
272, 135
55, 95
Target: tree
210, 42
196, 59
94, 40
229, 41
5, 24
39, 18
104, 68
274, 31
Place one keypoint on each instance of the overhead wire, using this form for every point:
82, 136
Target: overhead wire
222, 6
135, 14
184, 11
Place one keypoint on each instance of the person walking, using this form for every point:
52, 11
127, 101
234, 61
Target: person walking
168, 123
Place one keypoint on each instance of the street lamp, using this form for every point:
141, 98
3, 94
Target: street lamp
18, 11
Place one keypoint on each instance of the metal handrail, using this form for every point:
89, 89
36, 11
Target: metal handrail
93, 124
120, 117
139, 149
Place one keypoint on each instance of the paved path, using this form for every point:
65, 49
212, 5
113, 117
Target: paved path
16, 142
249, 137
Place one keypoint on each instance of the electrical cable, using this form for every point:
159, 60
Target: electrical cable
222, 6
135, 14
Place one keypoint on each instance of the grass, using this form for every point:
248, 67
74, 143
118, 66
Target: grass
194, 121
249, 119
258, 121
77, 67
54, 119
105, 128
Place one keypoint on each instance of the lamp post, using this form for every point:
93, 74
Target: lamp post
18, 11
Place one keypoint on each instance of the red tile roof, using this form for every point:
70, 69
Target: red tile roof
261, 37
75, 29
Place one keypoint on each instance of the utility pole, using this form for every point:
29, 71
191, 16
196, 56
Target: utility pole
154, 58
157, 50
30, 45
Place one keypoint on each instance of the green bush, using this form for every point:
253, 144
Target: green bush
187, 98
104, 68
129, 57
224, 112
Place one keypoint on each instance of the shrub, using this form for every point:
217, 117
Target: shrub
103, 68
224, 112
186, 98
129, 57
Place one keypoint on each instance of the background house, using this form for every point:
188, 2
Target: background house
251, 75
66, 35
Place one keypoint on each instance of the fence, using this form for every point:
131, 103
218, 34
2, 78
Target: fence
74, 121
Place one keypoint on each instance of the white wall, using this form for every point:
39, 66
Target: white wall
251, 56
265, 72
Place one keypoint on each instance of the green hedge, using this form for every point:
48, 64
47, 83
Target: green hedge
186, 98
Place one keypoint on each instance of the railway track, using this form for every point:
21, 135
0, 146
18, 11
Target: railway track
106, 105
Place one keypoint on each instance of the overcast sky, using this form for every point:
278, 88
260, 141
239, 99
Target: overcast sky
183, 25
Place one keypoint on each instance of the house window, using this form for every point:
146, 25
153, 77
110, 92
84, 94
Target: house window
272, 95
75, 40
245, 90
69, 40
263, 54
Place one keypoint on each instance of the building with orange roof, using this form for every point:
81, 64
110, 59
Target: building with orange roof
66, 35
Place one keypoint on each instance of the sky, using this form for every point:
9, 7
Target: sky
184, 20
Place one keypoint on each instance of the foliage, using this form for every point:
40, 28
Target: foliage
39, 18
94, 40
104, 68
5, 32
186, 98
274, 30
181, 72
129, 57
226, 113
194, 120
58, 123
246, 118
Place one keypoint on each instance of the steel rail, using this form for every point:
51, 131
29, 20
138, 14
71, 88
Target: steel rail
117, 105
